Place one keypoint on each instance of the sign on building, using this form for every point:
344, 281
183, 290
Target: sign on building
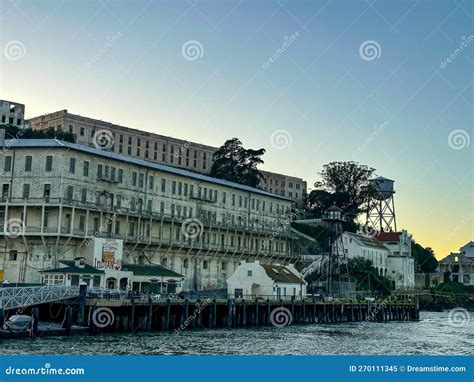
108, 254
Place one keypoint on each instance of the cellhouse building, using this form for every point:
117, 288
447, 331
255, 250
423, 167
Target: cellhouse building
58, 199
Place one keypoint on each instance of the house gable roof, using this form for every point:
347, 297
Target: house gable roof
70, 267
54, 143
280, 276
150, 270
366, 241
388, 236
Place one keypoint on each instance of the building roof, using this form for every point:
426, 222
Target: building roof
366, 241
71, 268
281, 274
450, 259
150, 270
388, 236
55, 143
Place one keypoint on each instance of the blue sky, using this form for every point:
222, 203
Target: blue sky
123, 62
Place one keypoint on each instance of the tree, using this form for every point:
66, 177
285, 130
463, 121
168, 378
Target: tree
366, 276
345, 184
25, 132
235, 163
423, 257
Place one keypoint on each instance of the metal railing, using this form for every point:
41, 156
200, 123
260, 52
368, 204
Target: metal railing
22, 297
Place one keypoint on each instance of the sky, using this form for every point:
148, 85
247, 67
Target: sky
387, 84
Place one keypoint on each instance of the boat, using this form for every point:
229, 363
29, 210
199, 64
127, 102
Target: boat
18, 323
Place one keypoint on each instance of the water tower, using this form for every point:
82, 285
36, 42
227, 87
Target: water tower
381, 205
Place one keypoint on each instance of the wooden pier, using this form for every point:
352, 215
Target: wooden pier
141, 314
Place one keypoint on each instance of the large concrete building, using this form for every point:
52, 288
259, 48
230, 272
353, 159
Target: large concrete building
156, 148
58, 196
12, 113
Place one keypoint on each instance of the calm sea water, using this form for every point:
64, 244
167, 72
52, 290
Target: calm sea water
431, 335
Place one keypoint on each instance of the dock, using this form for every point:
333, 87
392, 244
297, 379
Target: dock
148, 314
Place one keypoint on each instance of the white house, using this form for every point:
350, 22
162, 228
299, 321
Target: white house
401, 266
398, 243
251, 280
384, 255
460, 265
401, 270
359, 245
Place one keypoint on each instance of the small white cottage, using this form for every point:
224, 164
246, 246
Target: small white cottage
273, 281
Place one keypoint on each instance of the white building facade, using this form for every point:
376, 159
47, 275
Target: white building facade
358, 245
58, 196
273, 281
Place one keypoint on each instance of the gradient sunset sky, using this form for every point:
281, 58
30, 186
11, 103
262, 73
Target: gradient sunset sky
388, 84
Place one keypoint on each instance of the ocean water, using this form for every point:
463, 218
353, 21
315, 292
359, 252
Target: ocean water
433, 334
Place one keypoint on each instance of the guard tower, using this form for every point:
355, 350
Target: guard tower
381, 205
336, 255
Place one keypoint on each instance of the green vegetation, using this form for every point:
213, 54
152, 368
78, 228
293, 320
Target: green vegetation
235, 163
424, 258
366, 276
455, 288
344, 184
15, 132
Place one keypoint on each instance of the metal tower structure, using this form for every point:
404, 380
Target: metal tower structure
336, 254
381, 205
